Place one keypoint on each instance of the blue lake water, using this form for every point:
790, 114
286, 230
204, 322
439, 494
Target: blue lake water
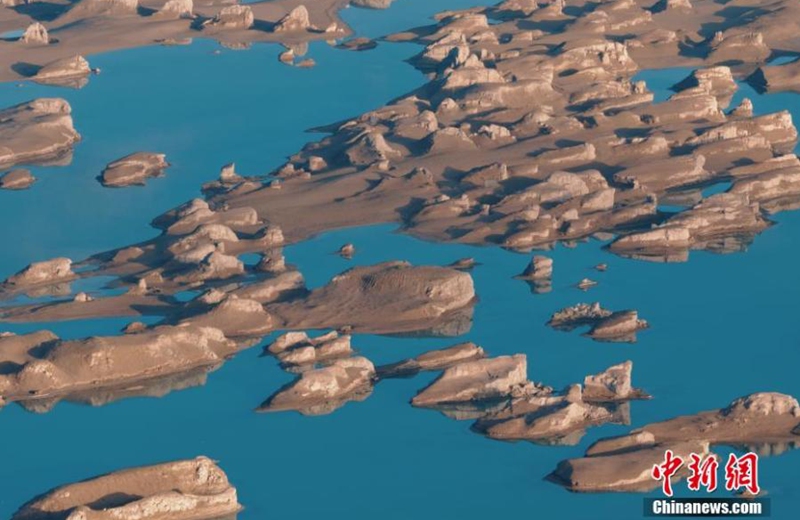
721, 325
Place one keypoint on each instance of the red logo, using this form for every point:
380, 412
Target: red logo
665, 470
703, 473
740, 472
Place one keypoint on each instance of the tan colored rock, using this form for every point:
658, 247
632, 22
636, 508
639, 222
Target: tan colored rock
605, 325
217, 266
717, 81
49, 271
63, 70
368, 148
392, 296
540, 268
232, 17
269, 290
433, 360
89, 8
763, 417
236, 317
36, 131
134, 169
306, 351
624, 471
177, 9
296, 20
612, 384
721, 215
19, 179
35, 34
325, 389
189, 489
619, 326
347, 251
483, 379
663, 174
101, 362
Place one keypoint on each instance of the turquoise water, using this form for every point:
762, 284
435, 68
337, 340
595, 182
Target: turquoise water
721, 326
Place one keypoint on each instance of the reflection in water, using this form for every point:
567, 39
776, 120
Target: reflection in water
155, 387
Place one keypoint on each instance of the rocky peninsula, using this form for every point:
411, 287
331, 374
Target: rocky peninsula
623, 463
187, 490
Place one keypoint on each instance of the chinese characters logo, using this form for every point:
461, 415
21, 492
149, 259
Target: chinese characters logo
740, 472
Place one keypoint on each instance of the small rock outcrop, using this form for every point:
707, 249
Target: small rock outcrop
753, 419
232, 17
347, 251
545, 417
236, 317
188, 489
35, 34
624, 463
626, 470
48, 271
540, 268
296, 348
88, 8
19, 179
98, 363
387, 297
71, 72
177, 9
133, 169
538, 274
496, 378
36, 132
605, 324
296, 20
433, 360
323, 390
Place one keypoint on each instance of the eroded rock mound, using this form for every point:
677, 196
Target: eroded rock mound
68, 72
134, 169
177, 9
297, 349
433, 360
188, 489
605, 324
19, 179
624, 463
705, 226
754, 419
102, 362
38, 273
232, 17
323, 390
35, 34
89, 8
496, 378
296, 20
546, 417
387, 297
628, 470
36, 132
